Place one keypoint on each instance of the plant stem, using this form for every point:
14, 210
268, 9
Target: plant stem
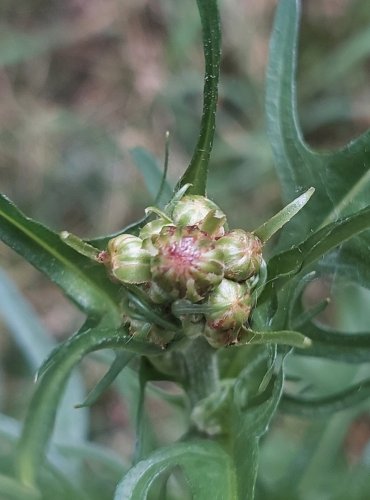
201, 370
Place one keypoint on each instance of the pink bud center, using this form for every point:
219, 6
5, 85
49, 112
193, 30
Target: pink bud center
183, 254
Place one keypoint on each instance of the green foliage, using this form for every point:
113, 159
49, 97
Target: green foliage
229, 396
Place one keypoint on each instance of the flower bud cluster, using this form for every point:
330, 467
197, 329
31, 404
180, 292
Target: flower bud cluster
190, 265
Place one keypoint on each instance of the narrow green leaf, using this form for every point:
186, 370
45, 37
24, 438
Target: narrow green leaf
120, 362
41, 415
328, 343
284, 337
341, 178
86, 284
287, 264
207, 468
35, 344
270, 227
197, 171
316, 407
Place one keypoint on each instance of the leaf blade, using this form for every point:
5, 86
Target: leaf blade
206, 465
197, 171
85, 283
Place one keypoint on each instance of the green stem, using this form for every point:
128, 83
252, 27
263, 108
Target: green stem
201, 367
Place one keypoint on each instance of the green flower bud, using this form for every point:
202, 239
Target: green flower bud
191, 210
128, 261
229, 306
187, 264
242, 254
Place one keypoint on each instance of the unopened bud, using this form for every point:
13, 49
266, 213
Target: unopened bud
242, 254
129, 262
229, 306
192, 210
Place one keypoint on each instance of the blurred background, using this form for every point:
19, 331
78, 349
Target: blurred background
83, 82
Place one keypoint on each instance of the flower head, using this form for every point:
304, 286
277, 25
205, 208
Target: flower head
187, 263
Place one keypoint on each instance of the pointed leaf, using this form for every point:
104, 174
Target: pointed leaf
284, 337
296, 163
86, 284
341, 178
41, 414
287, 264
341, 346
279, 220
197, 171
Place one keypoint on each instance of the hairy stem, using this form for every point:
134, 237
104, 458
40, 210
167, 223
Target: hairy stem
201, 370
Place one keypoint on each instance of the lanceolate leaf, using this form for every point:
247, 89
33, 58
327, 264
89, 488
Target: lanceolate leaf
40, 419
85, 283
279, 220
207, 468
315, 407
349, 347
287, 264
196, 173
341, 178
